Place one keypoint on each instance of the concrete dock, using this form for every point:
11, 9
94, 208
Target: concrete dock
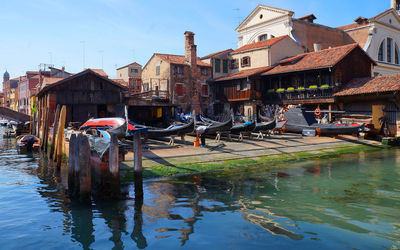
158, 153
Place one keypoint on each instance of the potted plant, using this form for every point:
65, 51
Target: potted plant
325, 86
290, 89
280, 90
271, 91
300, 88
313, 87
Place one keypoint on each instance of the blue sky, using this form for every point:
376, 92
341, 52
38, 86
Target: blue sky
123, 31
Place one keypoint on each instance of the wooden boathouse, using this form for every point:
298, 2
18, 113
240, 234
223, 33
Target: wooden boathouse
88, 94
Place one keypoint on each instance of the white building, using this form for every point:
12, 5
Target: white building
379, 36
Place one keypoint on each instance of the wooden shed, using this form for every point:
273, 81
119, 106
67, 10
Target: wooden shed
88, 94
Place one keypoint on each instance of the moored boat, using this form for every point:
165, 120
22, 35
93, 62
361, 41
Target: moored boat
112, 125
243, 127
28, 143
215, 127
299, 119
175, 129
265, 126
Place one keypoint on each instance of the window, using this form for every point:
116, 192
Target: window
179, 69
396, 55
243, 85
204, 89
380, 53
157, 70
145, 86
204, 71
234, 63
246, 61
389, 43
217, 63
225, 66
179, 89
263, 37
134, 71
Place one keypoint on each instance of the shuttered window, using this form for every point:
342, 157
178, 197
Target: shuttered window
179, 89
217, 65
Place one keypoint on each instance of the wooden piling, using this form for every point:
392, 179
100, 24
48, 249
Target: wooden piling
60, 136
138, 170
71, 164
33, 129
113, 155
53, 138
45, 129
114, 181
84, 168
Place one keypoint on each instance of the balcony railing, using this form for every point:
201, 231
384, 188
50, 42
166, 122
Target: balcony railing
152, 94
299, 94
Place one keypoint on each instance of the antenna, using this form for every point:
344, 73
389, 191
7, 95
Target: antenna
101, 54
83, 53
238, 17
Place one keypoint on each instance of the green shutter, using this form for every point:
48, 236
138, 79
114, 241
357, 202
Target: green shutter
225, 66
217, 65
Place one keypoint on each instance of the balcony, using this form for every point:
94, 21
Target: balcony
160, 95
313, 94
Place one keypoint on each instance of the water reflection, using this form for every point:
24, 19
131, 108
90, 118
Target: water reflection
314, 204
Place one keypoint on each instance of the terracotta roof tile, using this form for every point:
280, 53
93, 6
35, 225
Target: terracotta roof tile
216, 53
319, 59
175, 59
244, 74
352, 26
100, 72
260, 44
120, 82
134, 63
309, 16
379, 84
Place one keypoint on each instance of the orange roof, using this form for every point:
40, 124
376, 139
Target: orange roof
120, 82
99, 72
309, 16
259, 45
320, 59
369, 85
244, 74
352, 26
175, 59
216, 53
134, 63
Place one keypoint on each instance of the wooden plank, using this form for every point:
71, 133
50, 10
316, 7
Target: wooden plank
45, 129
71, 164
138, 169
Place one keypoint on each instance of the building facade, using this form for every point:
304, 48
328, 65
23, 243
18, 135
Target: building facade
180, 79
379, 36
266, 22
132, 75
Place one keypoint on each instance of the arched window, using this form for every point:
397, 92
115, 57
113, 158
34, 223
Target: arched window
389, 43
263, 37
380, 53
396, 55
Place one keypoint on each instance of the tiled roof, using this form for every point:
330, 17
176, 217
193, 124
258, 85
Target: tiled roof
175, 59
100, 72
120, 82
352, 26
216, 53
319, 59
244, 74
379, 84
260, 44
134, 63
307, 17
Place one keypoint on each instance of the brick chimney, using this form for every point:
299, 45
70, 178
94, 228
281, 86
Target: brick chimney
190, 49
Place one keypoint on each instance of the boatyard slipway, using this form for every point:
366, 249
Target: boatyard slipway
161, 159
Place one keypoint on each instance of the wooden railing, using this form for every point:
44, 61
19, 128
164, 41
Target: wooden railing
161, 94
317, 93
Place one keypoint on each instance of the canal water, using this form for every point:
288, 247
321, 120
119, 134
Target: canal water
349, 202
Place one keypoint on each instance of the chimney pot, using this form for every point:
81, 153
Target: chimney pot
317, 47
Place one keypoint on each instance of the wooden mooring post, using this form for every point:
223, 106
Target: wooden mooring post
114, 180
137, 166
45, 129
60, 137
79, 169
53, 138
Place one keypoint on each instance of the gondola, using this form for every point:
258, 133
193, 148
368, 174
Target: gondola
265, 126
243, 127
28, 143
299, 119
112, 125
3, 123
171, 130
215, 127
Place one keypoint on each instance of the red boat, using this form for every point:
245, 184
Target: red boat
113, 125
